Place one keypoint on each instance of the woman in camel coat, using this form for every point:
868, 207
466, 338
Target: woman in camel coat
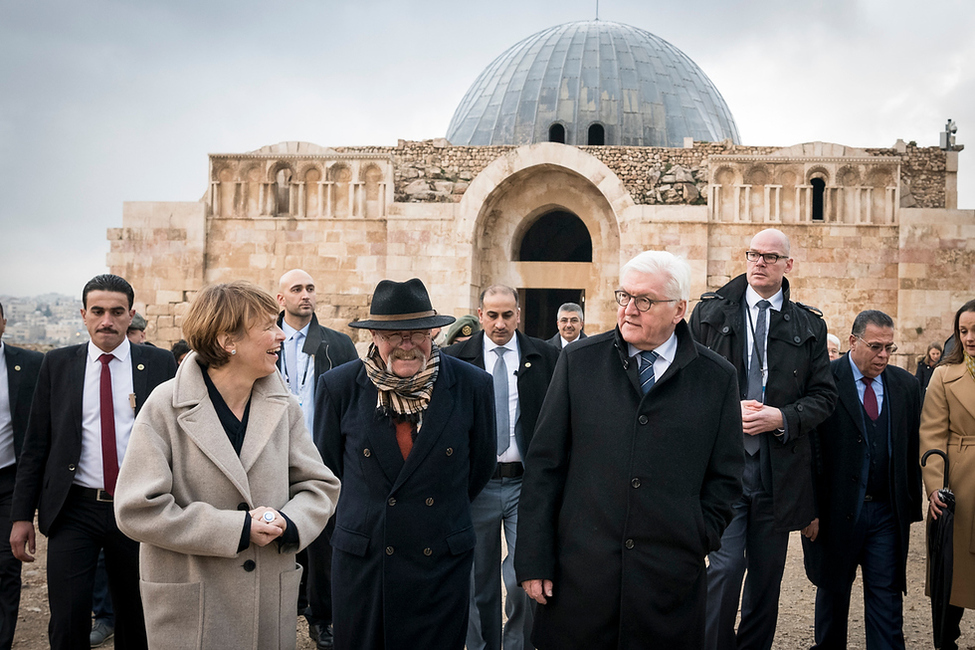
222, 485
948, 424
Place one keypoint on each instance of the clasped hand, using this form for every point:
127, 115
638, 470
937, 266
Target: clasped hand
264, 532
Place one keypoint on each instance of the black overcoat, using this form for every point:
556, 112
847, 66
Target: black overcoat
840, 484
403, 544
799, 384
624, 495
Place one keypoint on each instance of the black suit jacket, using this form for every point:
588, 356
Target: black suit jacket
534, 374
52, 446
23, 367
840, 485
557, 340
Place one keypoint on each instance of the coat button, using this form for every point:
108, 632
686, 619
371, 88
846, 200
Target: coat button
725, 329
450, 451
250, 565
428, 551
429, 501
799, 407
629, 543
242, 506
71, 467
635, 482
643, 419
796, 339
786, 317
366, 453
389, 550
392, 501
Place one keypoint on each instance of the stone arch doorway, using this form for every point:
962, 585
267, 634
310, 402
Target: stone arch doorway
552, 196
555, 236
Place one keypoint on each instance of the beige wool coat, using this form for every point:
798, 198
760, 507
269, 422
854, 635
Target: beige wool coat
182, 492
948, 424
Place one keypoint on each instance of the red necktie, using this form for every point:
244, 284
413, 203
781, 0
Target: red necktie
107, 411
870, 400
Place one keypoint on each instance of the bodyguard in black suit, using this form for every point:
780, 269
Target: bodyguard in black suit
868, 489
66, 472
18, 375
528, 367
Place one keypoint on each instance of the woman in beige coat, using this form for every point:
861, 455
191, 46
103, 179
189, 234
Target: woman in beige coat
948, 424
222, 485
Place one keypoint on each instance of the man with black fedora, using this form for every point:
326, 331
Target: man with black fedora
411, 434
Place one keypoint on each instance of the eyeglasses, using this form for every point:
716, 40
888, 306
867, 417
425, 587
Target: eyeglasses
574, 321
642, 302
397, 339
877, 348
769, 258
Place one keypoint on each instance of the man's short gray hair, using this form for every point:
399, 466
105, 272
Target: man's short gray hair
571, 306
677, 270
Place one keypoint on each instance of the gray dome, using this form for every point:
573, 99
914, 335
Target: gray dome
640, 89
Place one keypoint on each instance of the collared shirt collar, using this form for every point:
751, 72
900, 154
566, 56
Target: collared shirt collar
666, 351
752, 298
290, 331
121, 352
512, 344
857, 375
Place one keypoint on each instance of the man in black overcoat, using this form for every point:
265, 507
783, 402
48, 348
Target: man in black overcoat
868, 489
786, 390
411, 434
630, 479
18, 376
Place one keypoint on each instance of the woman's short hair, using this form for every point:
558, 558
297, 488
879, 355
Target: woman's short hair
224, 309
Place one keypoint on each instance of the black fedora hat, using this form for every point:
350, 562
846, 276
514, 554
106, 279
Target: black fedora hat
402, 306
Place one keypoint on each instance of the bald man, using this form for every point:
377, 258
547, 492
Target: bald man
779, 350
309, 350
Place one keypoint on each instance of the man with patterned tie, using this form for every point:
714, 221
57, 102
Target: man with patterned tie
85, 403
631, 476
521, 367
778, 348
308, 351
871, 438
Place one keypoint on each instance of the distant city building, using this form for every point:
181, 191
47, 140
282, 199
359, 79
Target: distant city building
48, 320
532, 196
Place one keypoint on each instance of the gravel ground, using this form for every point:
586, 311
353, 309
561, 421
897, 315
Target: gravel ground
795, 628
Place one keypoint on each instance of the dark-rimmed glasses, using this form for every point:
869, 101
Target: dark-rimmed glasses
768, 258
642, 302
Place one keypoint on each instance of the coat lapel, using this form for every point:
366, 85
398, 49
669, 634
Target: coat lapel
201, 425
140, 375
964, 391
269, 401
434, 421
76, 381
382, 434
847, 390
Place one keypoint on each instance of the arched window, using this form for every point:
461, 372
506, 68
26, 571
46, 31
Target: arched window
556, 133
818, 193
282, 193
597, 135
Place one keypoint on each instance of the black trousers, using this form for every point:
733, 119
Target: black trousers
318, 572
9, 565
83, 528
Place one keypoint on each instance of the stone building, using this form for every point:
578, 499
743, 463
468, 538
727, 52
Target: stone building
576, 149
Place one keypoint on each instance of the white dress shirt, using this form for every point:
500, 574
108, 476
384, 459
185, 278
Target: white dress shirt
665, 355
90, 472
302, 385
512, 361
7, 455
752, 299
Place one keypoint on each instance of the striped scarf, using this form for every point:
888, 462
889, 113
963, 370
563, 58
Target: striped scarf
403, 398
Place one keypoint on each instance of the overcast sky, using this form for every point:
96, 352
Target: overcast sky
103, 102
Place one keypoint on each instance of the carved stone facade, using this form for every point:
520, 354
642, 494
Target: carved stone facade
870, 228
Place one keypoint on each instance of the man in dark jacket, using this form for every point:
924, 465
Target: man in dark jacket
570, 321
631, 476
868, 490
308, 351
524, 366
410, 432
786, 391
18, 376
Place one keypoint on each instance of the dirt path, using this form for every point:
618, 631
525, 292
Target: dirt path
795, 628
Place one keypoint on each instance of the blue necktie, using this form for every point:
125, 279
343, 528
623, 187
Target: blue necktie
501, 414
647, 379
